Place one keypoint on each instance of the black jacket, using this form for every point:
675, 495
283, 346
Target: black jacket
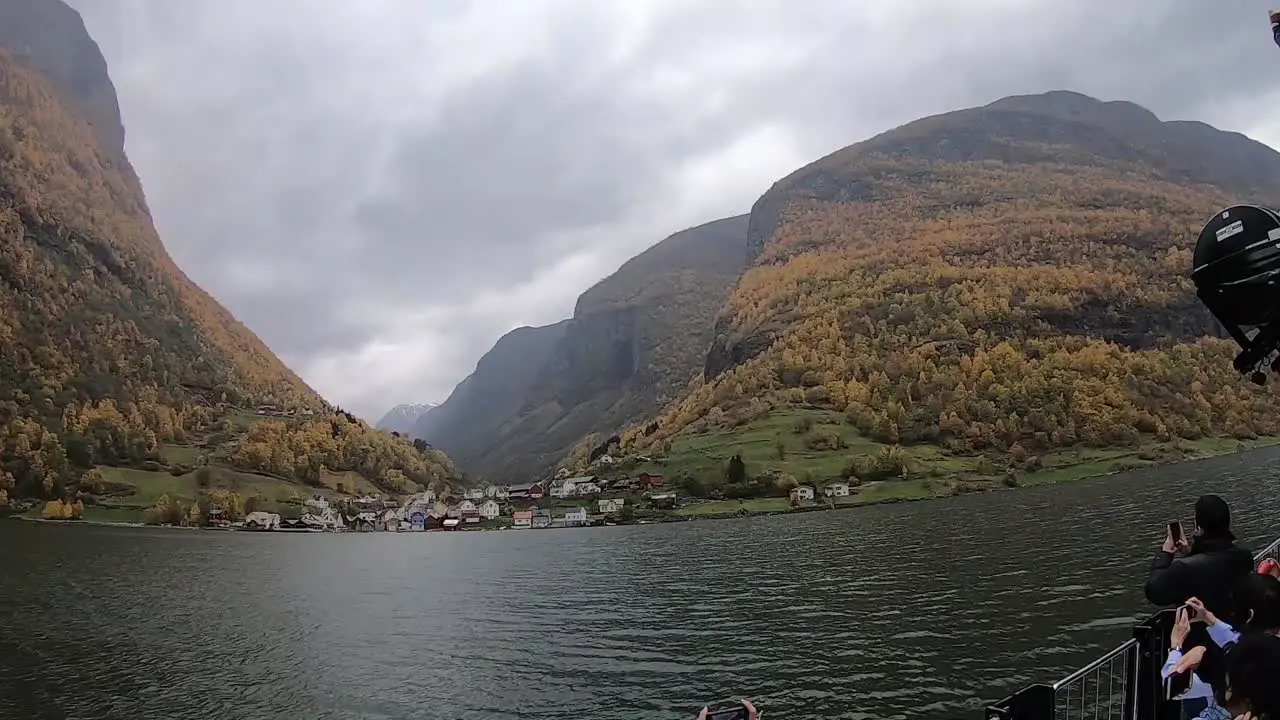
1211, 572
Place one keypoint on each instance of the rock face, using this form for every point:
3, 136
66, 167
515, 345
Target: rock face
86, 277
1001, 276
49, 37
635, 341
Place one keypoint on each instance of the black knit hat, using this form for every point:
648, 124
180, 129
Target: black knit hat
1213, 516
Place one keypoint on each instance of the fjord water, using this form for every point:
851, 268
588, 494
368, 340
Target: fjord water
912, 611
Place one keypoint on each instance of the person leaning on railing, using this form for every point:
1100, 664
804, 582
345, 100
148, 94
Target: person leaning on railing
1207, 568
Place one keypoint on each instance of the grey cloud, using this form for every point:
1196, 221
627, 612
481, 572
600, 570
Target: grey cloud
273, 142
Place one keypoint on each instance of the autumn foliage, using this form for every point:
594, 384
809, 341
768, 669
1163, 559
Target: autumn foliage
102, 336
987, 305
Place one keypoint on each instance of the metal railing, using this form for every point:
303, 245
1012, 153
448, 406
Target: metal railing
1124, 684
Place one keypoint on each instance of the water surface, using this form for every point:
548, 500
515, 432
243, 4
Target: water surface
919, 610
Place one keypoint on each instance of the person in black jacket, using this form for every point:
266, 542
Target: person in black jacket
1275, 25
1209, 568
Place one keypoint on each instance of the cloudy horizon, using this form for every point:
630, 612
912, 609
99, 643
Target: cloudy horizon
381, 190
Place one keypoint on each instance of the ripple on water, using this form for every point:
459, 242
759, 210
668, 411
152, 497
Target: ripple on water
907, 611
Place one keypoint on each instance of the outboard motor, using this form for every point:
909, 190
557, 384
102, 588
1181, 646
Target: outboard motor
1236, 271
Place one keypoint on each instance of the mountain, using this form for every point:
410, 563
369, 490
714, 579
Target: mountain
636, 339
401, 418
988, 289
110, 356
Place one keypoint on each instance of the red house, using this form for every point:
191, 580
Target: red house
532, 491
645, 481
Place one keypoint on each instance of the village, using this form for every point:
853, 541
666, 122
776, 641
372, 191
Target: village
565, 502
561, 503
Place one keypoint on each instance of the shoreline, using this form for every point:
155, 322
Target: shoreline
744, 511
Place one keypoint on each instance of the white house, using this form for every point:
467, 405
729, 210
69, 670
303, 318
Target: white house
466, 507
586, 488
576, 516
569, 486
803, 492
489, 509
612, 506
500, 492
474, 494
522, 518
428, 496
837, 490
491, 491
605, 459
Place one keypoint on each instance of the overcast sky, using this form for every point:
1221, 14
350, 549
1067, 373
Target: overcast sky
382, 188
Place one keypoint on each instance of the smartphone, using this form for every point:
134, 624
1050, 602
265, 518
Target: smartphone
1177, 684
1175, 531
738, 712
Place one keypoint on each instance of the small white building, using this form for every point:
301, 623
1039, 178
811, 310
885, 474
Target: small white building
840, 489
803, 492
575, 517
490, 509
500, 492
522, 519
605, 459
586, 488
569, 486
474, 494
491, 491
611, 506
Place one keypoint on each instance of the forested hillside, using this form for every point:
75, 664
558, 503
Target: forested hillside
637, 338
1004, 281
108, 352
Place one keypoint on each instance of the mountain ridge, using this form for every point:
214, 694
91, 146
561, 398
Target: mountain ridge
613, 361
118, 374
1003, 282
401, 418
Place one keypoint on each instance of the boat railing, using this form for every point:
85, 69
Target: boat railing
1123, 684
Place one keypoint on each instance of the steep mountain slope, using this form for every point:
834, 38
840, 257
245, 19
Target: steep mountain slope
108, 352
402, 418
635, 341
1008, 279
467, 422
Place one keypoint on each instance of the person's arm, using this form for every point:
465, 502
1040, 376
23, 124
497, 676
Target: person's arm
1222, 634
1175, 656
1165, 584
1198, 689
1275, 25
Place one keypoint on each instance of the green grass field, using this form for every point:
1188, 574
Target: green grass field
773, 445
150, 486
182, 454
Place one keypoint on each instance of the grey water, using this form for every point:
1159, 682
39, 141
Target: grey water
919, 610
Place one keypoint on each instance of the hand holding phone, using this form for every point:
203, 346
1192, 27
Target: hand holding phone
745, 711
1175, 532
